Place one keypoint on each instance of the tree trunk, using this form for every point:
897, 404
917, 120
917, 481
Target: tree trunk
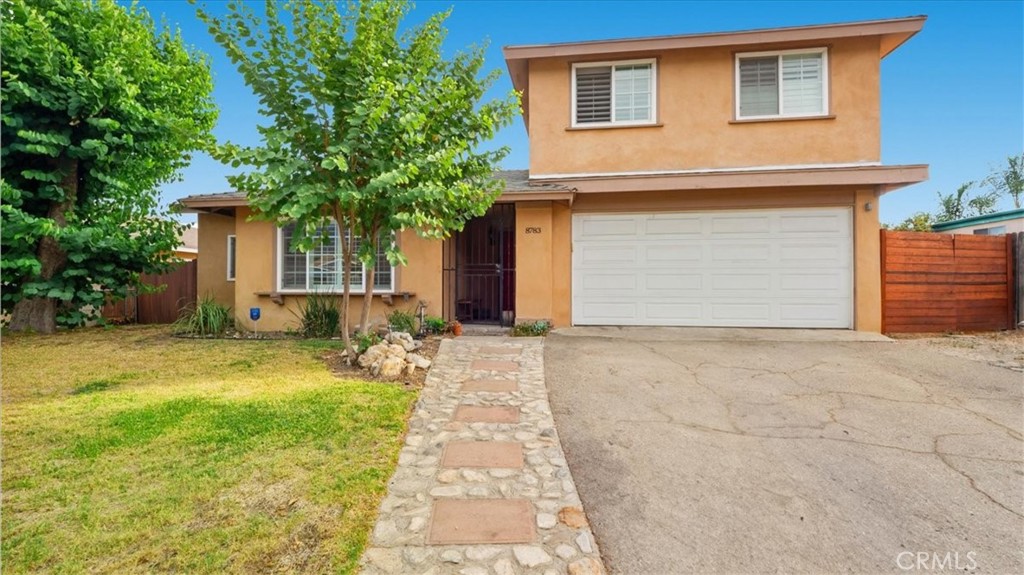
346, 274
40, 313
364, 318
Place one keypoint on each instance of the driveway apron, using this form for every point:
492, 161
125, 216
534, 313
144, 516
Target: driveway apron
482, 485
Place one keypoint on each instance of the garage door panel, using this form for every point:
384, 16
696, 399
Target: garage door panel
594, 282
817, 223
612, 312
740, 252
671, 313
607, 254
756, 268
808, 312
673, 226
833, 283
741, 282
609, 226
667, 253
748, 313
745, 224
655, 282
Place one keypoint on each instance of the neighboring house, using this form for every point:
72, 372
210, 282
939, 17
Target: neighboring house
188, 243
725, 179
997, 224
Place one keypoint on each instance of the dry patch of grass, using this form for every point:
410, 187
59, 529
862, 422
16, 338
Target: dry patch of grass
127, 450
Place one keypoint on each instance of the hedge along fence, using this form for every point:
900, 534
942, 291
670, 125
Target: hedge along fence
935, 283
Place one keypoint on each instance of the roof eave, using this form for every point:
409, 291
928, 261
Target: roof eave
883, 178
902, 28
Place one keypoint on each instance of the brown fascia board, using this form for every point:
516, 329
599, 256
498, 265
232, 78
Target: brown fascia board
885, 178
211, 203
555, 195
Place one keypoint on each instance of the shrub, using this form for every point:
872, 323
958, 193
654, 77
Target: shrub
531, 329
365, 340
319, 315
401, 320
435, 325
205, 318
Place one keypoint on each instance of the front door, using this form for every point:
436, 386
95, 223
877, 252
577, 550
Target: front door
484, 268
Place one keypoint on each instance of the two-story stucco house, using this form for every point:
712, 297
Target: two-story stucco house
725, 179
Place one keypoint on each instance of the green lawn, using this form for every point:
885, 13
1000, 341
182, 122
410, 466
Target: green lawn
127, 450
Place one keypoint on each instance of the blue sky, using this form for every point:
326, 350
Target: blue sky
951, 96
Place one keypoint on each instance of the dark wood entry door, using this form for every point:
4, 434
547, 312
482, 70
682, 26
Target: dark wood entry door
485, 271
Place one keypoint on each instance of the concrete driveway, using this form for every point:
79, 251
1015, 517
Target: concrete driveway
762, 451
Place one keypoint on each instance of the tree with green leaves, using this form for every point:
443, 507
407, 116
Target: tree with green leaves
368, 126
918, 222
99, 108
1010, 180
961, 204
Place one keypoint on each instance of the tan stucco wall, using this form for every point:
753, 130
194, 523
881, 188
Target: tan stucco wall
212, 269
695, 107
256, 279
867, 263
534, 272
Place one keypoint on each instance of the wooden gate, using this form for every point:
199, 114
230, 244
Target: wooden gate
162, 307
946, 283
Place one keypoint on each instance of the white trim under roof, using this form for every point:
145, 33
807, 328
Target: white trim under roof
576, 176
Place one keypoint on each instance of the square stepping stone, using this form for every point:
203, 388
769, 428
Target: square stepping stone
493, 365
495, 350
492, 385
481, 521
492, 454
486, 414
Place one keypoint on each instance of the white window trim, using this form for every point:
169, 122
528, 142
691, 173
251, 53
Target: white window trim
654, 93
279, 271
232, 254
780, 53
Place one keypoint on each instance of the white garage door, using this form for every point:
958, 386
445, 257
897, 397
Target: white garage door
749, 268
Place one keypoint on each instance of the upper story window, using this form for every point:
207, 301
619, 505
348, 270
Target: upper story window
614, 93
786, 84
320, 269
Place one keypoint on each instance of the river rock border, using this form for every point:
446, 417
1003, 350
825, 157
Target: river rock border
564, 542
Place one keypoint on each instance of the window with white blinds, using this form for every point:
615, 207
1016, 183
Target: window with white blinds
320, 269
609, 93
792, 83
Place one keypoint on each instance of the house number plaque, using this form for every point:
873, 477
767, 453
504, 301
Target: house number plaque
533, 230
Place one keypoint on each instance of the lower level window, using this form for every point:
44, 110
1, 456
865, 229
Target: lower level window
320, 269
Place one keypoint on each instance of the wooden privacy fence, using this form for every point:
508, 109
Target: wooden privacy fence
947, 283
162, 307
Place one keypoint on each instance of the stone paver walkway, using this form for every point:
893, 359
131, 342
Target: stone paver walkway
482, 486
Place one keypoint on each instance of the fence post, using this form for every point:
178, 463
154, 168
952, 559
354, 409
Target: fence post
881, 244
1018, 269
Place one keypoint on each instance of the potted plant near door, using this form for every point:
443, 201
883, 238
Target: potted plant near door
455, 327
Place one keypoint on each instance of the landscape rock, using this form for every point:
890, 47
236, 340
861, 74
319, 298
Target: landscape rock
451, 556
530, 556
371, 355
418, 360
586, 566
412, 345
396, 350
392, 367
573, 517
